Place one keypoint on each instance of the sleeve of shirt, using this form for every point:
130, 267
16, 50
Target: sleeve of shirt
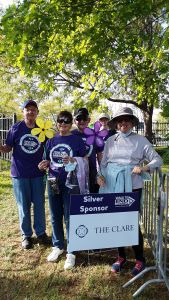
82, 148
105, 155
153, 158
10, 137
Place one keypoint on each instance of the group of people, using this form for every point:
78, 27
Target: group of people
106, 169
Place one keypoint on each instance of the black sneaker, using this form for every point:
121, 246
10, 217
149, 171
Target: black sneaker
27, 242
43, 239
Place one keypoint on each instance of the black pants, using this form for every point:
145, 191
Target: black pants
138, 249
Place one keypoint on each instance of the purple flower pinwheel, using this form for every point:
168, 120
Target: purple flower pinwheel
95, 135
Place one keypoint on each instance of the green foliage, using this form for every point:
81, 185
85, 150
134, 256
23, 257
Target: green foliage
165, 110
97, 49
166, 158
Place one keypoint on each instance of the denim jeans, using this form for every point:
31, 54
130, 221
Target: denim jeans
59, 205
30, 191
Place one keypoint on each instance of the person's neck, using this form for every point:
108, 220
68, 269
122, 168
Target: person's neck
64, 134
30, 124
104, 127
81, 130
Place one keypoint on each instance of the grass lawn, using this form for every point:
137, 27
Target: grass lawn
26, 275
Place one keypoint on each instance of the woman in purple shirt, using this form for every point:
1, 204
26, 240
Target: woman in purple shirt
60, 151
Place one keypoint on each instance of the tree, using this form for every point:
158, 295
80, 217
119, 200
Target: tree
99, 49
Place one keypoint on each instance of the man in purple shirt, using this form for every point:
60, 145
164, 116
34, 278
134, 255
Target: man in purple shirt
94, 153
27, 179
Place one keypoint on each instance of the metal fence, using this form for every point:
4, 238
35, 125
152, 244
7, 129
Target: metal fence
160, 132
155, 217
5, 123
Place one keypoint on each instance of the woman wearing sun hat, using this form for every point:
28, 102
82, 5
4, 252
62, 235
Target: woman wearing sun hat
123, 156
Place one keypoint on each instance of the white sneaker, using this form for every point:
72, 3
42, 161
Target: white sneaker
53, 256
70, 261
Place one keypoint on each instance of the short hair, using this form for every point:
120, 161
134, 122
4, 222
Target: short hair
65, 114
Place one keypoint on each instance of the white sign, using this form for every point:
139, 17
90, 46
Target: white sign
103, 221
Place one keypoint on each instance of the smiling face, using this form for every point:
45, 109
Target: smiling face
64, 129
104, 121
82, 122
30, 113
124, 123
64, 122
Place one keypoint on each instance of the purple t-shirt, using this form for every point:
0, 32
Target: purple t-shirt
62, 146
27, 151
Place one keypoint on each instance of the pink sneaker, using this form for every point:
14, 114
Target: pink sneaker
139, 266
118, 265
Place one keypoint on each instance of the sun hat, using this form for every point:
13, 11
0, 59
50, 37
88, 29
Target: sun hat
29, 102
124, 111
104, 115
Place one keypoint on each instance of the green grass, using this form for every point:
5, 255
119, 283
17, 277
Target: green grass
26, 275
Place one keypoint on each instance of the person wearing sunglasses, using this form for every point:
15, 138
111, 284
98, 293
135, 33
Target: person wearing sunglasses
94, 153
122, 171
60, 151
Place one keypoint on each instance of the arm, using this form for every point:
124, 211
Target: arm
151, 156
5, 148
99, 157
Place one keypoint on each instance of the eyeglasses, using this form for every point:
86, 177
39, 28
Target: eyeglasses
64, 120
82, 118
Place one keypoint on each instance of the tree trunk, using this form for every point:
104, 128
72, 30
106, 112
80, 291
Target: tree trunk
147, 115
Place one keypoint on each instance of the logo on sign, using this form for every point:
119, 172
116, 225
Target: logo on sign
125, 201
81, 231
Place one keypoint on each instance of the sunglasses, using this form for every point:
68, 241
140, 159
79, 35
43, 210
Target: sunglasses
64, 120
81, 118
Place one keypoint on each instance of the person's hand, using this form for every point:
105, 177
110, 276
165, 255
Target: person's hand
68, 159
139, 169
101, 180
43, 165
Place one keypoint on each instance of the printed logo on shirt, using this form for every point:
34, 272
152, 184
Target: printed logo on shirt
89, 149
58, 152
29, 144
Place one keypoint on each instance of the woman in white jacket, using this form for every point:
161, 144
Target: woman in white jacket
122, 171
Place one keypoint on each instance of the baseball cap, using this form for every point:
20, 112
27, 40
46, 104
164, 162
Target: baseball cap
29, 102
104, 115
81, 112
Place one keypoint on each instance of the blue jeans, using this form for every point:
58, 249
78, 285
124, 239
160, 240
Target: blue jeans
28, 191
59, 205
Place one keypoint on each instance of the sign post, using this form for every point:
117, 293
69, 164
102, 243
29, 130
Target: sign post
100, 221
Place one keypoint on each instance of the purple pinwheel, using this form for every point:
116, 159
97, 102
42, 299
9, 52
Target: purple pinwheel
95, 135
